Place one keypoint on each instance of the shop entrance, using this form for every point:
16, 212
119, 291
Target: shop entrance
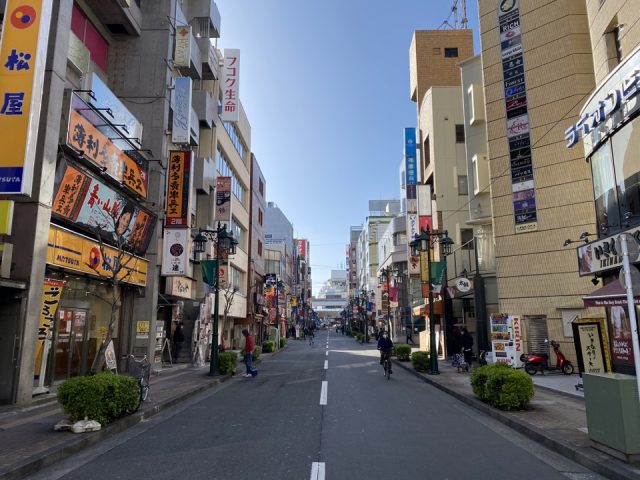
73, 352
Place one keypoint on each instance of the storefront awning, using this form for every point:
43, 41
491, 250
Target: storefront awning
611, 295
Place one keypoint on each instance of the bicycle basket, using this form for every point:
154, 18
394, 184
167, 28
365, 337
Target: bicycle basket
139, 369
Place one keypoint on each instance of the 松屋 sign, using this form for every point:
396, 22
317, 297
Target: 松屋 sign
25, 32
231, 85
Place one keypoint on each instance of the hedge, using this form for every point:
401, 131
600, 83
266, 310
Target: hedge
502, 387
227, 362
283, 342
103, 397
256, 353
420, 361
402, 351
268, 346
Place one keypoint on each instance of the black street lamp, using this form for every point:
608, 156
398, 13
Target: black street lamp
424, 242
225, 245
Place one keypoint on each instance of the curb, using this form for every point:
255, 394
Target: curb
56, 454
578, 455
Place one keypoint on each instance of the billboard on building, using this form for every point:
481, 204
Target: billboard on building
231, 85
25, 33
182, 57
301, 247
175, 251
178, 195
181, 127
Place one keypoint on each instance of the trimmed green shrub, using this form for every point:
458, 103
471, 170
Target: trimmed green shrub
103, 397
502, 387
268, 346
420, 361
402, 351
283, 342
256, 353
227, 362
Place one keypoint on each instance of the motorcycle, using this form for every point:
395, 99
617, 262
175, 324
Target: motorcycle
540, 361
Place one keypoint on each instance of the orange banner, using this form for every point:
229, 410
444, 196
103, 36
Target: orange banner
178, 189
51, 294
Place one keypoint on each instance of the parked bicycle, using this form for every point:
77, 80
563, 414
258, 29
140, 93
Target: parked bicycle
140, 369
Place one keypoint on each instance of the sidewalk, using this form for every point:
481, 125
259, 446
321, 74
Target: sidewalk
556, 417
28, 442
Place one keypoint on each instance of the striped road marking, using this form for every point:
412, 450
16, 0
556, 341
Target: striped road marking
326, 364
323, 392
326, 354
317, 471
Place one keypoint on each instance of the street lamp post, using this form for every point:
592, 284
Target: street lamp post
225, 245
364, 300
424, 242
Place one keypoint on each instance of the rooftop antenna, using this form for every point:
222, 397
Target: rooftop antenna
460, 19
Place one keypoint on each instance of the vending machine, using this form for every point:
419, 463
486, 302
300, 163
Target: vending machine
506, 339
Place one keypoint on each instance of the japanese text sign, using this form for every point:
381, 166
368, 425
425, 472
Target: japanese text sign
178, 193
175, 251
25, 33
411, 169
223, 199
181, 127
231, 85
51, 293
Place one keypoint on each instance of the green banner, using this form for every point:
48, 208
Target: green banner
437, 272
209, 269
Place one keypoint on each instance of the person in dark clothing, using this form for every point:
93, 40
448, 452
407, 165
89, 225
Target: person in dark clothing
467, 347
410, 337
385, 345
178, 341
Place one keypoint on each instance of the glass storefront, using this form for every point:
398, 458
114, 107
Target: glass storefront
81, 324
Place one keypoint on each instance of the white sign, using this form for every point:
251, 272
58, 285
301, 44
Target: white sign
231, 85
463, 284
182, 58
181, 129
179, 287
175, 251
424, 200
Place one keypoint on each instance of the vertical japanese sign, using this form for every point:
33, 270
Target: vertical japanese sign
175, 251
25, 33
182, 57
51, 293
301, 247
181, 127
223, 199
518, 128
178, 195
413, 228
411, 169
231, 85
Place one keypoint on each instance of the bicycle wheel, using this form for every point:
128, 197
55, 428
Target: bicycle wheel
387, 369
144, 391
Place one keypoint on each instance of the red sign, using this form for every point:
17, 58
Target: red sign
178, 210
301, 245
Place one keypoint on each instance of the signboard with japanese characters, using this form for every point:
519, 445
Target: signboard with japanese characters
231, 85
51, 294
179, 180
518, 127
181, 127
182, 58
123, 120
592, 348
223, 200
412, 231
89, 134
25, 32
98, 209
179, 287
411, 169
175, 252
71, 251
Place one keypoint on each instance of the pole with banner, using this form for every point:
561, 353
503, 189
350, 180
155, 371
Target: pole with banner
51, 293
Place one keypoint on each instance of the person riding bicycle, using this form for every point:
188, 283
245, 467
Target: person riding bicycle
385, 345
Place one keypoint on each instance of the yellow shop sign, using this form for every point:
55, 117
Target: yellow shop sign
75, 252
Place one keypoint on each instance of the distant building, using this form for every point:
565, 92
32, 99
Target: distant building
332, 297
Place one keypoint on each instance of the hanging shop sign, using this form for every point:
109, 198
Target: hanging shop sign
99, 210
51, 294
301, 246
411, 169
517, 117
179, 287
231, 85
71, 251
179, 182
25, 33
425, 201
91, 135
412, 231
223, 200
181, 128
175, 251
182, 58
604, 254
270, 279
122, 119
609, 106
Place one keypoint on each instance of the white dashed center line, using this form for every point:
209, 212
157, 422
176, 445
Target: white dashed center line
323, 393
326, 364
317, 471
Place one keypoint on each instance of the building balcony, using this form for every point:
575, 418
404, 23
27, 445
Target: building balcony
206, 16
204, 175
210, 59
195, 129
121, 17
187, 57
202, 102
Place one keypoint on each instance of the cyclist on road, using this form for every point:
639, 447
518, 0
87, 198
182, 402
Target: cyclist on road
385, 345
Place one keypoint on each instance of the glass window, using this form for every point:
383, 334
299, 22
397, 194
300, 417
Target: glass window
235, 138
459, 133
451, 52
225, 170
239, 233
604, 190
626, 160
466, 238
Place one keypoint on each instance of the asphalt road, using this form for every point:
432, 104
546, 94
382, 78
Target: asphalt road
284, 424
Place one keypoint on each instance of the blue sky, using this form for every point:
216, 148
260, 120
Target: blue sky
325, 85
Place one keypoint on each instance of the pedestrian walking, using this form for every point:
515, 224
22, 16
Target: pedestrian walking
249, 347
410, 337
178, 341
467, 347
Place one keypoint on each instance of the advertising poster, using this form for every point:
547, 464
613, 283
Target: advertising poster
98, 209
25, 33
90, 134
175, 252
142, 329
517, 117
619, 328
179, 174
110, 357
231, 85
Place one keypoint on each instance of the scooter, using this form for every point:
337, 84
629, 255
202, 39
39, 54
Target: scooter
540, 361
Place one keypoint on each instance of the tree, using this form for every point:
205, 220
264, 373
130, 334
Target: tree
229, 293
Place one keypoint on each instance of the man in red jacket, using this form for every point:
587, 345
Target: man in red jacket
249, 347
